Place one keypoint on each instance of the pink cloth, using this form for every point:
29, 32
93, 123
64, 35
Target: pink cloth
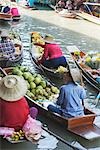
5, 131
14, 12
51, 51
32, 129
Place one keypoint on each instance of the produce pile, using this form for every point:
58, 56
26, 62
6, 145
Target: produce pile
16, 136
36, 38
61, 69
91, 60
38, 88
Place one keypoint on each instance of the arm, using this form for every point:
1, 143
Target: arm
97, 99
44, 56
83, 95
61, 97
38, 44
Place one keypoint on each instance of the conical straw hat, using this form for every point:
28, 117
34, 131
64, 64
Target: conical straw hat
75, 74
12, 88
49, 38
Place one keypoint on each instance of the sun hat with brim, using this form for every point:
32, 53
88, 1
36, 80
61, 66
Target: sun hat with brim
75, 74
12, 88
49, 39
4, 33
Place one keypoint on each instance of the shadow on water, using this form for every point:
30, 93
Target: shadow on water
64, 37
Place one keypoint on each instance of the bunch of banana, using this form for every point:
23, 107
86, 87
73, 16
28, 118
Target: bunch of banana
40, 49
18, 135
61, 69
36, 38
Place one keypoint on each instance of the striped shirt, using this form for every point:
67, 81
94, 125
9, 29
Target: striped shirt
7, 50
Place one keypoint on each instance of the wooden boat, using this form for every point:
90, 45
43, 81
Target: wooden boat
82, 126
86, 70
66, 14
50, 72
89, 17
16, 18
92, 15
18, 54
5, 17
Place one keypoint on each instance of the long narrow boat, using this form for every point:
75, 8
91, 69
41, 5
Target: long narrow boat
91, 16
5, 16
86, 70
82, 126
18, 52
35, 54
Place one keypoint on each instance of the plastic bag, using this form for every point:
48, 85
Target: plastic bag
32, 129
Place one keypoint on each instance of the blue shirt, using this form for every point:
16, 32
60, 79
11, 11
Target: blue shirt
98, 96
70, 99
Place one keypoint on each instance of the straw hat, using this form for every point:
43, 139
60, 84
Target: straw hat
49, 38
75, 74
4, 33
12, 88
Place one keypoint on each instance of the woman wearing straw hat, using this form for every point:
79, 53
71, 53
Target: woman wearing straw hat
14, 109
70, 101
52, 56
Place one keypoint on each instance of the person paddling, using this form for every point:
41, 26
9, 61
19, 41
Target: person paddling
70, 102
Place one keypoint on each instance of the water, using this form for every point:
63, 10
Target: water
64, 37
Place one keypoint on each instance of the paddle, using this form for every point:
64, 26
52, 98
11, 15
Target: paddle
3, 71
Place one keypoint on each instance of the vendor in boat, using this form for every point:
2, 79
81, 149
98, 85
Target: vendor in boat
52, 56
14, 109
69, 5
6, 9
14, 11
60, 5
70, 102
7, 48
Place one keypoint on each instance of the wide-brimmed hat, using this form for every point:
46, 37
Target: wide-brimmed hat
49, 38
4, 33
12, 88
75, 74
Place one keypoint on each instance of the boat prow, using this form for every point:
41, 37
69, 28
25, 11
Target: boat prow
5, 17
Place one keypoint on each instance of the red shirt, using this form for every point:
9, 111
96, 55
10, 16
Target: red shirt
51, 51
14, 12
13, 114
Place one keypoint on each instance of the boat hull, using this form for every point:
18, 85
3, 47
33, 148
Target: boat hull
82, 126
86, 75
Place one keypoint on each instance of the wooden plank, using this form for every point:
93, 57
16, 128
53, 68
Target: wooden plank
93, 4
89, 17
88, 132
